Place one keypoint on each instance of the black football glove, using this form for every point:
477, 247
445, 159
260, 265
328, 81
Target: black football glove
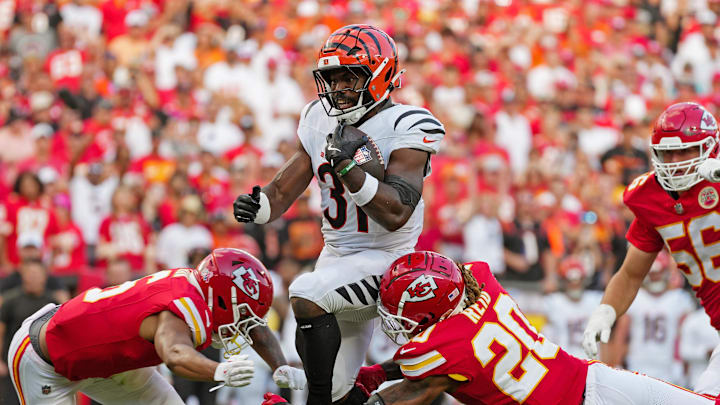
339, 148
246, 206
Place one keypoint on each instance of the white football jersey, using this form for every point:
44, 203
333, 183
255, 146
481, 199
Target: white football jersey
654, 327
346, 228
567, 319
697, 340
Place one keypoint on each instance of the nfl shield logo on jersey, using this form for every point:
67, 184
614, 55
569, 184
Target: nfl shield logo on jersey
423, 288
46, 389
247, 281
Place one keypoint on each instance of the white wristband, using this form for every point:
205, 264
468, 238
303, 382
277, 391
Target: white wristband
367, 191
263, 214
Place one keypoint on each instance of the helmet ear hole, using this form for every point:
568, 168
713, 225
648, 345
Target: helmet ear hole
221, 303
388, 75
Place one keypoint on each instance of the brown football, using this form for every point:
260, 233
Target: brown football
368, 156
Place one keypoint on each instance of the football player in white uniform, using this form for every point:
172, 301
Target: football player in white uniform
649, 333
697, 341
368, 223
568, 311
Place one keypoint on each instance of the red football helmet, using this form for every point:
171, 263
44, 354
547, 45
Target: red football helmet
418, 290
369, 54
682, 126
572, 269
239, 291
658, 278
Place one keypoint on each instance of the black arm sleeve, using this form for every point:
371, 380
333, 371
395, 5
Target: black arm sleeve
408, 194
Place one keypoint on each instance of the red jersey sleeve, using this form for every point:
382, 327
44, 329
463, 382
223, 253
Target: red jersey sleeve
196, 315
644, 237
438, 351
639, 197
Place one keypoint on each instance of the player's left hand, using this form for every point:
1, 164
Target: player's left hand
371, 377
272, 399
289, 377
599, 327
340, 148
710, 170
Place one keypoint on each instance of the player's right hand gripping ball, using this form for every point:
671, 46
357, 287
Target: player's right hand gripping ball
246, 206
342, 144
354, 143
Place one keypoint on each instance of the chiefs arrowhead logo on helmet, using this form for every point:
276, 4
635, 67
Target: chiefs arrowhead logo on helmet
247, 281
708, 122
423, 288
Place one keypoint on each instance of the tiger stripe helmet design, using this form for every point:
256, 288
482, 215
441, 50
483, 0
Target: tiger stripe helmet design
371, 56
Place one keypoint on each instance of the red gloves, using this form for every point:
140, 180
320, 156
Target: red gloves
272, 399
371, 377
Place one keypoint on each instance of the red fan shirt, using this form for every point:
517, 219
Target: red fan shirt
129, 234
31, 217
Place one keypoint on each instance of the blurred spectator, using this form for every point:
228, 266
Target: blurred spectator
118, 271
219, 133
281, 108
305, 240
483, 234
29, 216
91, 196
65, 64
83, 18
226, 235
594, 139
131, 48
569, 309
43, 158
626, 161
698, 339
125, 234
513, 131
69, 250
18, 143
527, 250
33, 37
18, 304
177, 188
176, 240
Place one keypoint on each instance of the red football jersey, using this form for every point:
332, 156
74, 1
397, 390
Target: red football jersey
688, 226
494, 349
96, 333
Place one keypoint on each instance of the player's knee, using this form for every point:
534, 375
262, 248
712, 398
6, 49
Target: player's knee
303, 308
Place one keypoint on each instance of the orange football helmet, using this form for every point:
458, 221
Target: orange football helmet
370, 55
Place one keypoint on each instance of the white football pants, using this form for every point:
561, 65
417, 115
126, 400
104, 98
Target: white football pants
611, 386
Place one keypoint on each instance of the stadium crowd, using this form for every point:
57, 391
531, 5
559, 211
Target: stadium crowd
128, 127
